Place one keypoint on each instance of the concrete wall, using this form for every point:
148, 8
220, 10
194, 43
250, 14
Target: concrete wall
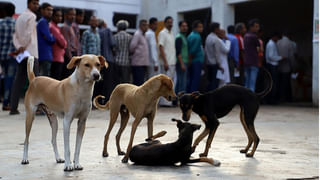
102, 8
315, 58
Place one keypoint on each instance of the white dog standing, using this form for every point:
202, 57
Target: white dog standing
70, 98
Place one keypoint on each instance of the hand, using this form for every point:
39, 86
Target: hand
183, 67
166, 66
221, 68
156, 68
20, 50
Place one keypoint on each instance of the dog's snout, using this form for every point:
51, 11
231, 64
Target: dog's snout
96, 76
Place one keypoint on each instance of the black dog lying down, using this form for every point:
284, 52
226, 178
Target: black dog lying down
155, 153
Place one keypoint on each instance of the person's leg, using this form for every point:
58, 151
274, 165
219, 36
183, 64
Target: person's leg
18, 85
231, 69
10, 73
195, 76
184, 78
138, 73
246, 77
180, 76
253, 77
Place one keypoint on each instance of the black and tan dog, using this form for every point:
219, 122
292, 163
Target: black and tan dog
218, 103
157, 154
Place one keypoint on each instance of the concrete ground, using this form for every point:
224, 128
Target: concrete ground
289, 147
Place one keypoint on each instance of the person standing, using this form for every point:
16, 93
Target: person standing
58, 47
251, 48
216, 49
196, 55
182, 57
240, 31
153, 68
122, 40
233, 56
8, 63
140, 56
45, 40
109, 75
224, 78
24, 39
273, 58
91, 39
78, 20
167, 53
286, 49
72, 41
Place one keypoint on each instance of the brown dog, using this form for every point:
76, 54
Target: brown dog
141, 101
70, 98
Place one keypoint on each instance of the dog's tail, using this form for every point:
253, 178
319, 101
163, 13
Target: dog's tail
268, 78
30, 65
98, 105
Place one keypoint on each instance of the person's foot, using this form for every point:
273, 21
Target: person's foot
6, 108
14, 112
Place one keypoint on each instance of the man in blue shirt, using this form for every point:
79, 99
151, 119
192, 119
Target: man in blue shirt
45, 40
196, 56
233, 56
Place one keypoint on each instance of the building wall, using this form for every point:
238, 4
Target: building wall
315, 58
103, 8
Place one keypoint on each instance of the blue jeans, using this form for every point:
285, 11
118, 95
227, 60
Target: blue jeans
181, 78
212, 77
194, 76
138, 73
9, 68
250, 75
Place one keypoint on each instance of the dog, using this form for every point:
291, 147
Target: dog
156, 154
216, 104
141, 101
70, 98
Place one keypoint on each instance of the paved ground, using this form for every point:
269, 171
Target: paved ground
289, 148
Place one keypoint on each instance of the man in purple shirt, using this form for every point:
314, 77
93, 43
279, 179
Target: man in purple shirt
251, 47
140, 57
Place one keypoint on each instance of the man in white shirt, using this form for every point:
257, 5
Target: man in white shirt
167, 53
153, 68
215, 48
24, 38
273, 58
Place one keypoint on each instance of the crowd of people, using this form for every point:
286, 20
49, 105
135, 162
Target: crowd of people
234, 56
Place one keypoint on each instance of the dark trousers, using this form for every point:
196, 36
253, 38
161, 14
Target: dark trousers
108, 82
231, 64
20, 81
44, 68
194, 76
212, 77
56, 70
138, 73
9, 68
285, 93
67, 72
272, 97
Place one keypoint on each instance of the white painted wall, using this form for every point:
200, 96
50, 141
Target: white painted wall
103, 8
315, 58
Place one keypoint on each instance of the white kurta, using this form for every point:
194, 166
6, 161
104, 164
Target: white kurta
224, 78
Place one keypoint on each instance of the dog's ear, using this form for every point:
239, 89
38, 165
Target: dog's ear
74, 62
181, 94
196, 126
176, 120
103, 62
195, 94
166, 81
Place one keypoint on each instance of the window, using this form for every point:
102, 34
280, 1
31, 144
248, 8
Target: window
131, 18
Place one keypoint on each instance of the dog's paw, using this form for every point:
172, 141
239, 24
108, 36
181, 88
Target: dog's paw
68, 167
216, 163
203, 154
78, 167
121, 153
249, 155
243, 151
25, 161
60, 160
105, 154
124, 160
